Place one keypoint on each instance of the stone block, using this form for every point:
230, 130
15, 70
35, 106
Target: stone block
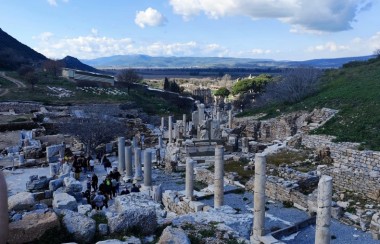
196, 206
21, 201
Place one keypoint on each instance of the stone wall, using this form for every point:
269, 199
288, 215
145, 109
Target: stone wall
351, 169
285, 191
179, 204
281, 127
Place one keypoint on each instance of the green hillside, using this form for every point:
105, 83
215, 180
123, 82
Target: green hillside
355, 91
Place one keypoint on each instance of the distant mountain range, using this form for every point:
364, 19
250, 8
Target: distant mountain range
145, 61
14, 54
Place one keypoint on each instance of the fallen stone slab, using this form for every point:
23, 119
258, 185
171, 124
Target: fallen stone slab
80, 226
32, 227
65, 201
173, 236
21, 201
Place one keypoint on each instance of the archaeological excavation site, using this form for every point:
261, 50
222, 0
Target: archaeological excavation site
202, 177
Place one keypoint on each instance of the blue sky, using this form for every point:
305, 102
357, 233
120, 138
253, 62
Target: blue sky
270, 29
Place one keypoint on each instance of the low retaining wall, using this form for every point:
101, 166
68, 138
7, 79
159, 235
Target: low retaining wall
351, 169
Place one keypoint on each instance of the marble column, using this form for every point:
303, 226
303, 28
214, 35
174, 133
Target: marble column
128, 163
322, 230
218, 116
259, 198
219, 177
162, 123
230, 119
21, 159
147, 168
170, 126
184, 124
134, 142
189, 179
201, 113
160, 143
138, 170
121, 153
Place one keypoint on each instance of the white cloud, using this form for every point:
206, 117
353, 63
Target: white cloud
328, 46
303, 15
55, 3
149, 17
52, 2
44, 36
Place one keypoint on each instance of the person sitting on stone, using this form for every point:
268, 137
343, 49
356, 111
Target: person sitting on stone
135, 188
125, 191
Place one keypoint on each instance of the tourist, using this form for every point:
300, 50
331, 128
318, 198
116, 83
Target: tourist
99, 201
77, 168
91, 163
87, 195
88, 183
125, 191
116, 174
135, 188
108, 186
94, 182
114, 187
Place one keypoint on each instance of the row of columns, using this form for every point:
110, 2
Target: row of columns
125, 163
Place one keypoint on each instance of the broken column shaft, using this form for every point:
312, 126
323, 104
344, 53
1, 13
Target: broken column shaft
322, 231
147, 168
259, 197
128, 163
121, 153
138, 170
189, 178
218, 178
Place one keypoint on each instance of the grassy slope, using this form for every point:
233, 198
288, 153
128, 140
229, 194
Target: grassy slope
150, 104
355, 91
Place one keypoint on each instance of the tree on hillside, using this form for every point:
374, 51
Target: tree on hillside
166, 84
53, 67
222, 92
93, 131
128, 76
31, 78
23, 70
377, 53
293, 85
251, 85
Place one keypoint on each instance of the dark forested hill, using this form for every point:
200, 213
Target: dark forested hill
74, 63
13, 53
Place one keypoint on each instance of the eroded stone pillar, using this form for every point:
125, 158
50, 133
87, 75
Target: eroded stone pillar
201, 113
259, 198
128, 163
230, 119
134, 142
322, 231
184, 124
121, 154
162, 123
170, 126
189, 179
160, 143
147, 168
138, 170
219, 177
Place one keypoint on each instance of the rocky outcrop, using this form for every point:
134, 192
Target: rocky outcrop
36, 183
172, 235
32, 227
80, 226
375, 226
64, 201
142, 218
21, 201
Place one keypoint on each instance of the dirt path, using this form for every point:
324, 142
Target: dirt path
3, 92
17, 82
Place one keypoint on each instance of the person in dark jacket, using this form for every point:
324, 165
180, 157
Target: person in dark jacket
135, 188
94, 181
